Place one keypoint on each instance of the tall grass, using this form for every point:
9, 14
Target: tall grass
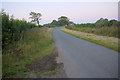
34, 44
104, 31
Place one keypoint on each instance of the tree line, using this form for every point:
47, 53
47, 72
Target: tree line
101, 23
64, 21
102, 26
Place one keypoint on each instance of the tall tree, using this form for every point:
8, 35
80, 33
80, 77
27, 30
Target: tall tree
63, 20
35, 17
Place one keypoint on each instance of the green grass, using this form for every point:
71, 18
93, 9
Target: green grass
35, 44
110, 45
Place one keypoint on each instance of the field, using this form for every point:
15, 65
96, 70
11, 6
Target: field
35, 44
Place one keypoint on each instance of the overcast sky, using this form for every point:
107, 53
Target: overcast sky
76, 10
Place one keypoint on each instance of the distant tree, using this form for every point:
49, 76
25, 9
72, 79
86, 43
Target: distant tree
102, 22
35, 17
55, 23
71, 23
63, 20
113, 23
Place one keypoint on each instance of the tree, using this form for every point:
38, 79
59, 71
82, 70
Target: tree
54, 22
12, 28
102, 22
35, 17
63, 20
113, 23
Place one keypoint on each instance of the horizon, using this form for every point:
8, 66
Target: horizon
78, 12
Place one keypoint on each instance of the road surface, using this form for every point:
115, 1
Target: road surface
83, 59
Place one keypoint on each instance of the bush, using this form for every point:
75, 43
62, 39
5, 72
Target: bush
13, 28
101, 27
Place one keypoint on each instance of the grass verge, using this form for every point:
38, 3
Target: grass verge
109, 44
35, 44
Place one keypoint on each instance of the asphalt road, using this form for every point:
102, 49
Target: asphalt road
83, 59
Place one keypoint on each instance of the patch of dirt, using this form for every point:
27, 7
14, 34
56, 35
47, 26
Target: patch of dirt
45, 64
48, 63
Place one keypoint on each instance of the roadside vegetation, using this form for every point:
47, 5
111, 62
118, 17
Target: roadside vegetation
35, 44
24, 43
109, 42
12, 29
101, 27
103, 32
